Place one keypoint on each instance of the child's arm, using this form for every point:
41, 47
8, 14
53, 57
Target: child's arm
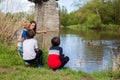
20, 39
41, 31
61, 53
23, 36
36, 46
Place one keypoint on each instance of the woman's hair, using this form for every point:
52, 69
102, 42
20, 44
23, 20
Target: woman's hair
55, 41
35, 25
26, 24
30, 33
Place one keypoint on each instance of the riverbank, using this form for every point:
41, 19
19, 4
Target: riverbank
103, 27
12, 68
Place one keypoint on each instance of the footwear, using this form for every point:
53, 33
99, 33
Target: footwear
40, 66
27, 64
58, 69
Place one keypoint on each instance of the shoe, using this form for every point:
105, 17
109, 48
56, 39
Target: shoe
58, 69
27, 64
40, 66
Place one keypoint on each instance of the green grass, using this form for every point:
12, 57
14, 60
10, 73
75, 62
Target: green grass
77, 27
12, 68
107, 27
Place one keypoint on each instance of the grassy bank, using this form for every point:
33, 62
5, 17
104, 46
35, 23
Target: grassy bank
109, 27
12, 68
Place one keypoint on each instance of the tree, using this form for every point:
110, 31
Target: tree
63, 16
20, 16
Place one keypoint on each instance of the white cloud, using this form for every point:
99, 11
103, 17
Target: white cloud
15, 6
24, 5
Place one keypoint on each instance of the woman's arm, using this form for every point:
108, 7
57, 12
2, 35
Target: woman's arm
41, 31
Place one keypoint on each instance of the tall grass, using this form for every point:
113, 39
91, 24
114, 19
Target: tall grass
8, 28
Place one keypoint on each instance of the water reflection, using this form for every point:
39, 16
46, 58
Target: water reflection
88, 50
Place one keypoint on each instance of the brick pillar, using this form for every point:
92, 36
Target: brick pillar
47, 18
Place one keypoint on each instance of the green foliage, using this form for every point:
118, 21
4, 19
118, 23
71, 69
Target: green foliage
63, 16
92, 20
9, 15
94, 14
22, 15
19, 16
8, 56
72, 20
30, 17
67, 19
45, 56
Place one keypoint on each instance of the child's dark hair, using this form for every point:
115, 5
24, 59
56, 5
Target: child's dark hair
30, 33
55, 41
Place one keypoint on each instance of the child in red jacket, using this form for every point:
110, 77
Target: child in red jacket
56, 58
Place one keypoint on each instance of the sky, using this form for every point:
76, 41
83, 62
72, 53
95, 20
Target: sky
15, 5
68, 4
24, 5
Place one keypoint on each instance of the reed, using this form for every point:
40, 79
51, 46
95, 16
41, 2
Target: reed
8, 29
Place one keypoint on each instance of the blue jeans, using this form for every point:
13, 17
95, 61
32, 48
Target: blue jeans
64, 61
20, 50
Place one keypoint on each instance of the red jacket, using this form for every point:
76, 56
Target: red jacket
54, 59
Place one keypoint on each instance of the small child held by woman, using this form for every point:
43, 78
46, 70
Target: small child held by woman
56, 57
22, 37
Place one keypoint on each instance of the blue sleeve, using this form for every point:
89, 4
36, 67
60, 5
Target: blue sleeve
23, 34
61, 53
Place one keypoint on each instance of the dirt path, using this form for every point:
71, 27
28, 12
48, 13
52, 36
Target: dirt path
86, 79
7, 70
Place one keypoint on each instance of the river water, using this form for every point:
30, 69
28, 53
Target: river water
88, 50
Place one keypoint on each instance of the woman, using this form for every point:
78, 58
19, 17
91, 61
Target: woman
33, 26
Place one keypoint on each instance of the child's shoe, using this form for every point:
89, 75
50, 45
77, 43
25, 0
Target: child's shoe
58, 69
40, 66
27, 64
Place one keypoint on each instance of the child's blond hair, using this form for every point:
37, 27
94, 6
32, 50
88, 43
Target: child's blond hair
26, 24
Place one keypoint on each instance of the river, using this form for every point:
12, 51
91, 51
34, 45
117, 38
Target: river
88, 50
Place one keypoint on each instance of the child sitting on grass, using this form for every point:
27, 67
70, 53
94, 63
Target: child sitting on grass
56, 58
31, 53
